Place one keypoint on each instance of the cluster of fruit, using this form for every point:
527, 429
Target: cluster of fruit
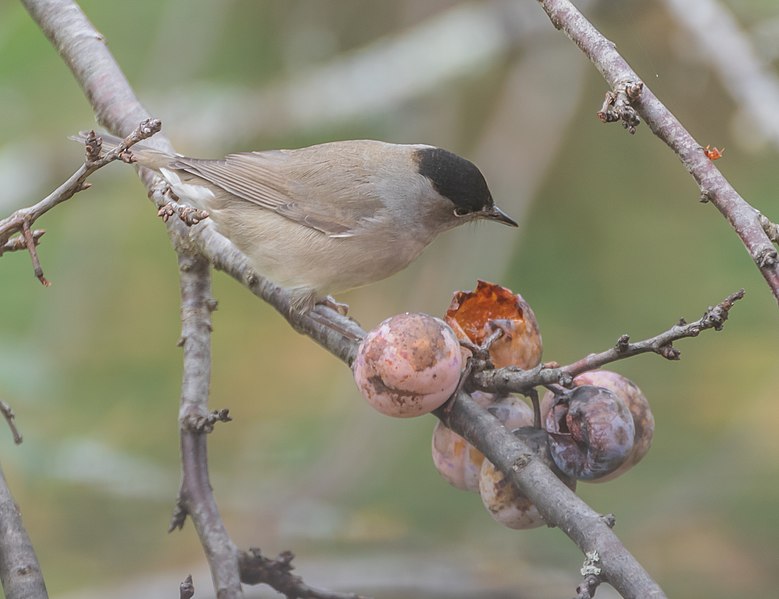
411, 364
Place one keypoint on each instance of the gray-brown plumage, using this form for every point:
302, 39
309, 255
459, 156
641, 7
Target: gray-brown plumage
330, 217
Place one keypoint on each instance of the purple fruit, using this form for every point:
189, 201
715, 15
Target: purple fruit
591, 432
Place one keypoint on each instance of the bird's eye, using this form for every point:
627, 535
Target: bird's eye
461, 212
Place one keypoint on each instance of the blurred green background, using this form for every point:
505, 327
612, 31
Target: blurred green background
613, 240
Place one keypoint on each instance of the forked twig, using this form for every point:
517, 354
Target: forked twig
277, 573
515, 380
22, 220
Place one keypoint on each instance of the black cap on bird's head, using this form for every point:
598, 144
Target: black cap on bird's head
460, 181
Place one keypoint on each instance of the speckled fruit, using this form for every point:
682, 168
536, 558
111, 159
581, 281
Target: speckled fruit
637, 403
591, 432
503, 501
459, 462
408, 365
475, 315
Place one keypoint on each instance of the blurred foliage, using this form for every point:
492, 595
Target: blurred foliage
614, 241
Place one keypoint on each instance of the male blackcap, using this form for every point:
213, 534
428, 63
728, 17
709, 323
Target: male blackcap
329, 217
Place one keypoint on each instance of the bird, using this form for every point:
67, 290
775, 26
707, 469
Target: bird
330, 217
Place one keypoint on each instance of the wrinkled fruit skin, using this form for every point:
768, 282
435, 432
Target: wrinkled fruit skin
475, 315
637, 403
503, 501
459, 462
408, 365
591, 432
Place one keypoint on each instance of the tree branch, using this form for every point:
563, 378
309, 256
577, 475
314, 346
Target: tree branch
558, 505
256, 568
714, 187
196, 496
20, 572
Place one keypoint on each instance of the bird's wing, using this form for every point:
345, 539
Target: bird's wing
311, 189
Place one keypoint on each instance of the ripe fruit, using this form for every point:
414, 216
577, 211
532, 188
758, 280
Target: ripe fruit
408, 365
637, 403
591, 432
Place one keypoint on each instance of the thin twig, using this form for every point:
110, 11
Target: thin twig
277, 573
76, 182
743, 218
29, 242
10, 418
20, 243
21, 220
515, 380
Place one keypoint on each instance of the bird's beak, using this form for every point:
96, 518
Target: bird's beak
496, 214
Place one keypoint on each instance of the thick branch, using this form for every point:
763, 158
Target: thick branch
557, 503
20, 572
714, 187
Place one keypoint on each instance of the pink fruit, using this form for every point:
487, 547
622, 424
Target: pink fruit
408, 365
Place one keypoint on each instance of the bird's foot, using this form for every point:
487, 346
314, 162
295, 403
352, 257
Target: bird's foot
330, 302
